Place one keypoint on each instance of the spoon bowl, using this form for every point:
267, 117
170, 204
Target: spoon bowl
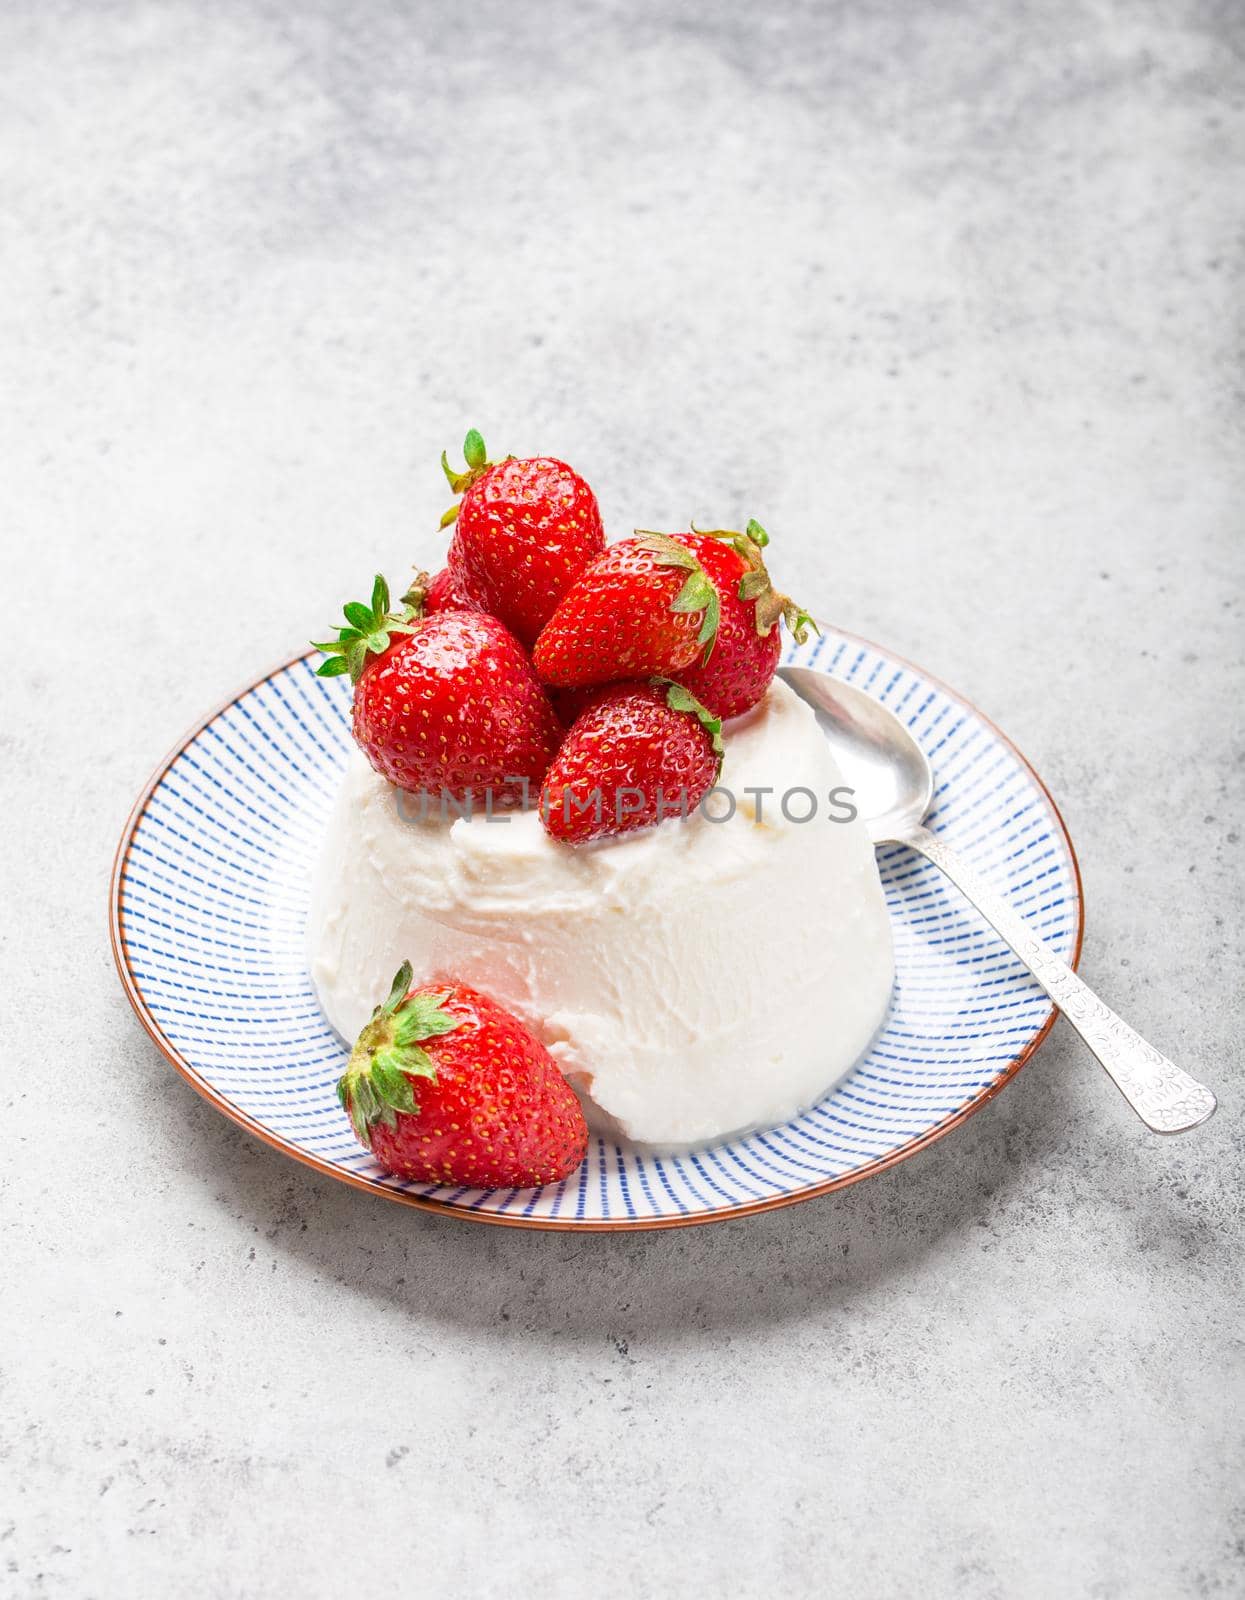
881, 762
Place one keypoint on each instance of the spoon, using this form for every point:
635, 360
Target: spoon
893, 786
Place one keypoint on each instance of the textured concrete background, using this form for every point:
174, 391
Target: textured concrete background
947, 294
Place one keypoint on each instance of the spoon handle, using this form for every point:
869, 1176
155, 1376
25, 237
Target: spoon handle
1166, 1099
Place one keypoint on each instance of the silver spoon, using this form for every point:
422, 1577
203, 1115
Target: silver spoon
894, 788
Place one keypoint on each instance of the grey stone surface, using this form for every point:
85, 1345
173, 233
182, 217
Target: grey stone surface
949, 296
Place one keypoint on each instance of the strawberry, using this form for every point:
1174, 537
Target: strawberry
446, 704
639, 752
645, 609
442, 592
524, 532
749, 640
445, 1086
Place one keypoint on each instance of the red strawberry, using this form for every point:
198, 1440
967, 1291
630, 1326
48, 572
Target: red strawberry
640, 752
749, 641
646, 608
444, 1086
525, 531
443, 592
444, 705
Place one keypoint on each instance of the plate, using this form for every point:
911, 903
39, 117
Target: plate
209, 908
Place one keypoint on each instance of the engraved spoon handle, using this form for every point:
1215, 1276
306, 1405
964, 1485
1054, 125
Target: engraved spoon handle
1166, 1098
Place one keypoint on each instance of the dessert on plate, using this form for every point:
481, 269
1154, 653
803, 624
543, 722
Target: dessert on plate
583, 805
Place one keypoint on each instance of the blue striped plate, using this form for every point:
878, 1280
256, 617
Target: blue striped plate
209, 909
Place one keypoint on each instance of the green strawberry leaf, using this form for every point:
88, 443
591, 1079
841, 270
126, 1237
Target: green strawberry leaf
709, 627
397, 992
365, 1097
355, 655
423, 1018
695, 594
672, 553
798, 621
390, 1083
680, 699
698, 593
359, 1122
